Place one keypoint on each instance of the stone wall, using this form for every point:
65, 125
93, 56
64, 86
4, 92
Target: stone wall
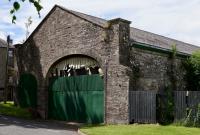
2, 71
152, 70
62, 34
117, 77
3, 66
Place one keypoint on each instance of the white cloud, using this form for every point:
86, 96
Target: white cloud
177, 19
2, 35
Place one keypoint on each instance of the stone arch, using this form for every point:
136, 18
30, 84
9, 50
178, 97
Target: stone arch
90, 54
95, 117
72, 56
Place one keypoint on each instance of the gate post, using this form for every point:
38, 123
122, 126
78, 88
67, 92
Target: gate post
118, 79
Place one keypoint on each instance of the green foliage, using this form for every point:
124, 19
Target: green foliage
193, 117
188, 120
195, 59
14, 18
172, 68
165, 105
17, 5
197, 117
192, 76
173, 51
165, 101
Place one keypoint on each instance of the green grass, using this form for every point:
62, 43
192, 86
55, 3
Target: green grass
139, 130
10, 110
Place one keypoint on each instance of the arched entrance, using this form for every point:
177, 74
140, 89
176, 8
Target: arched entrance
27, 91
76, 90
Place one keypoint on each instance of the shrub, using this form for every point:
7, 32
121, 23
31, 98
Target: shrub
193, 117
192, 66
165, 104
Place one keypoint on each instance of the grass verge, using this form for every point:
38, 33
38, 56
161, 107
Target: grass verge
148, 129
10, 110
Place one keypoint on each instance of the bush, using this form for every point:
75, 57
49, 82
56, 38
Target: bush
192, 66
193, 117
165, 106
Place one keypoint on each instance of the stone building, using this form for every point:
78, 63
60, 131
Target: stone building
131, 59
2, 67
3, 55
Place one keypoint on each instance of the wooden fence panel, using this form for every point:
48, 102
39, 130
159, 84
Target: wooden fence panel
142, 105
180, 105
193, 101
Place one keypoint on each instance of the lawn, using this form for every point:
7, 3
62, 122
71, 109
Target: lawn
139, 130
10, 110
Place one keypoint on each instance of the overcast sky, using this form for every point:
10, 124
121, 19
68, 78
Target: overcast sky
178, 19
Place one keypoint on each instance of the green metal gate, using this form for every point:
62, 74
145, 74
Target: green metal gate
79, 99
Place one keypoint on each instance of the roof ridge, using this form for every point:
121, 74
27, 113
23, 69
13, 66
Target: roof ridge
93, 19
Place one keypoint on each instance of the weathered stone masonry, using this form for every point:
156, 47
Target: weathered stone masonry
62, 34
154, 70
65, 32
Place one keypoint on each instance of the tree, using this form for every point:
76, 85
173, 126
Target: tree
192, 66
16, 7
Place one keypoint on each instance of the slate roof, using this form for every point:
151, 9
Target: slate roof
2, 43
159, 41
141, 36
96, 20
136, 35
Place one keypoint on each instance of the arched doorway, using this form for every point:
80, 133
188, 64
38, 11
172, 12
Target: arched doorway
27, 91
76, 90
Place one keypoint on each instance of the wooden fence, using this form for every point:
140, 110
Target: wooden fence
182, 102
142, 105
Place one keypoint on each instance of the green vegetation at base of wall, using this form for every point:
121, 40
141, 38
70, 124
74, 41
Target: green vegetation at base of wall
10, 109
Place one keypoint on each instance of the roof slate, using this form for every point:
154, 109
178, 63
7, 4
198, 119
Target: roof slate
161, 41
2, 43
137, 35
144, 36
96, 20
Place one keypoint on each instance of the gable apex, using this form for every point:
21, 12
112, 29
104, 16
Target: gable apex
95, 20
92, 19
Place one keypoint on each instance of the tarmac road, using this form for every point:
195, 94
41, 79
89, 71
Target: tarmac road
16, 126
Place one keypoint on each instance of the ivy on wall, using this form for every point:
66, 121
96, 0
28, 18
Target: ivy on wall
165, 100
172, 69
135, 67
